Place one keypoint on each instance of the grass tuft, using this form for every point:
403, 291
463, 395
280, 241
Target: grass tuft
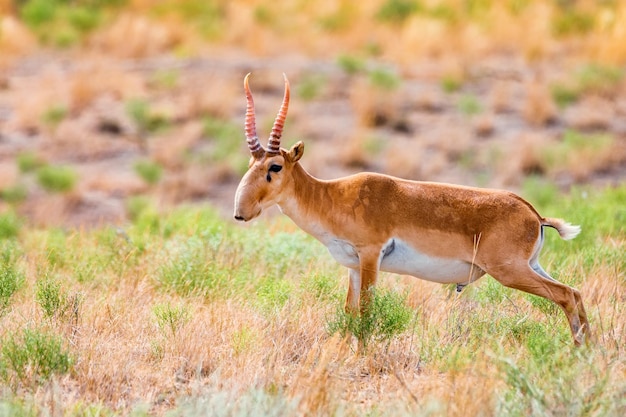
11, 276
31, 357
387, 316
57, 179
149, 171
10, 225
170, 318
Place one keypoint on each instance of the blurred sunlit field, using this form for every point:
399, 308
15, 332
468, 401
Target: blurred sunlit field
125, 288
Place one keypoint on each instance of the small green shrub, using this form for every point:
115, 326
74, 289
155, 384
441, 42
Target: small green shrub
32, 357
451, 83
85, 409
52, 300
243, 339
491, 292
221, 133
572, 22
384, 79
597, 78
397, 11
28, 162
170, 318
322, 287
146, 119
54, 115
351, 64
60, 22
56, 303
264, 15
469, 105
444, 13
57, 178
11, 277
589, 79
38, 12
387, 316
83, 19
338, 20
16, 406
151, 172
310, 86
189, 268
564, 94
137, 205
166, 79
273, 293
575, 147
14, 194
206, 17
10, 225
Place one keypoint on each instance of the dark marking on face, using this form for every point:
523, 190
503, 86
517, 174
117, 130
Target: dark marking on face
273, 168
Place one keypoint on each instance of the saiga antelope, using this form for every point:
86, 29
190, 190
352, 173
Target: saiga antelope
439, 232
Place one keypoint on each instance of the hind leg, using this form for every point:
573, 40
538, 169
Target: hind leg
528, 279
582, 314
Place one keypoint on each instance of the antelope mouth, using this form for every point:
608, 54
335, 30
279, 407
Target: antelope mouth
242, 218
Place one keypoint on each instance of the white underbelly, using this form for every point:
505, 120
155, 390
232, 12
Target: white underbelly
400, 258
404, 259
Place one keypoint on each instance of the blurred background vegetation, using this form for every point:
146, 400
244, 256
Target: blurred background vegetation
102, 101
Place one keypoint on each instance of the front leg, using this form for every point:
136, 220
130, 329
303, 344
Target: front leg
354, 291
369, 264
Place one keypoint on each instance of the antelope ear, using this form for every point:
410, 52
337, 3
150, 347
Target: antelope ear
296, 152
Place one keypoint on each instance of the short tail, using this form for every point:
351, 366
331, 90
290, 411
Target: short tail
566, 230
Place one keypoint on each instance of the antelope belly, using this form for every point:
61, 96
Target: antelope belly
343, 252
400, 258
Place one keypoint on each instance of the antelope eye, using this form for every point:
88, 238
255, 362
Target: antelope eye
275, 168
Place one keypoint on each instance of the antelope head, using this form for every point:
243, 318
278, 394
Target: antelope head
269, 170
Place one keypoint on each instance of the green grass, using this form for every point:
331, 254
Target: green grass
32, 357
384, 79
387, 316
61, 23
591, 78
451, 83
57, 179
220, 134
28, 162
351, 64
469, 105
147, 119
310, 87
149, 171
170, 318
11, 275
397, 11
14, 194
10, 225
54, 115
577, 152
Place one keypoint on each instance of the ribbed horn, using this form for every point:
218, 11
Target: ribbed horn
273, 145
251, 137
